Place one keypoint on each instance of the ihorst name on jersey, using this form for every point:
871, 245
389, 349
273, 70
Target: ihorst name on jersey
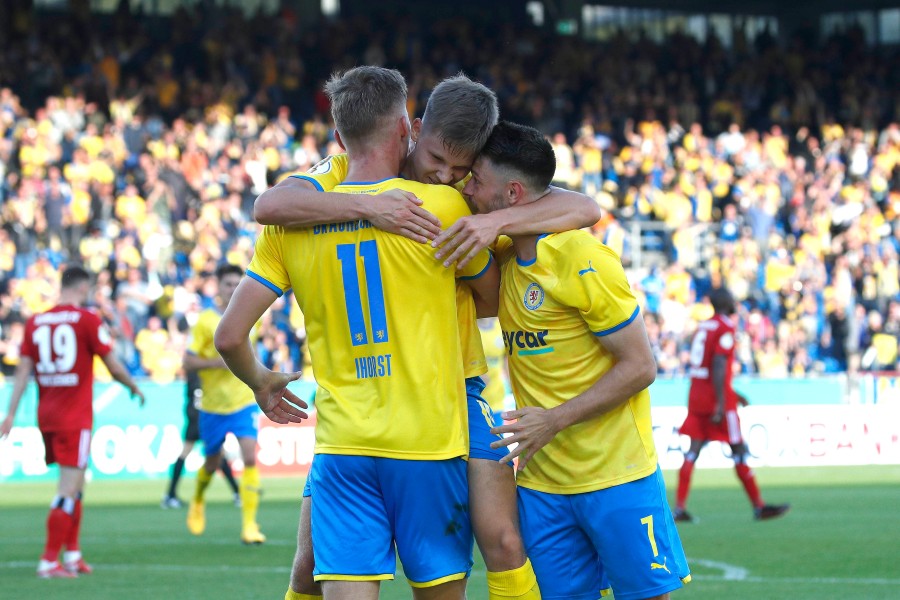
529, 342
378, 365
346, 226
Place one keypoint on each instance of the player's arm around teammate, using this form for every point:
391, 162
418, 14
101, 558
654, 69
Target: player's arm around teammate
296, 202
560, 210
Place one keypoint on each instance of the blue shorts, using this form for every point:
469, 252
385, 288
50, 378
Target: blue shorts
481, 419
624, 534
363, 505
214, 427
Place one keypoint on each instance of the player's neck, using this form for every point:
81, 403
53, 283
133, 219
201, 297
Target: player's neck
526, 247
374, 164
69, 299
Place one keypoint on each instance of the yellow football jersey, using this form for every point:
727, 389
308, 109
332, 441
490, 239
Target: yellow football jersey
329, 173
384, 346
223, 393
552, 311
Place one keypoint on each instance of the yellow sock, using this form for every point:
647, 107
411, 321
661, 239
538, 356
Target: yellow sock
292, 595
203, 479
249, 495
519, 583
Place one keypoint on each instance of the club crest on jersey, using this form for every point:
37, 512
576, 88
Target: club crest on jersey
534, 297
321, 167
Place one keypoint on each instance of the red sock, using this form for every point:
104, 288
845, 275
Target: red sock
684, 483
72, 538
745, 474
59, 522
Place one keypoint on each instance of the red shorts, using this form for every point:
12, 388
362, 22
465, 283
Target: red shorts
70, 448
701, 427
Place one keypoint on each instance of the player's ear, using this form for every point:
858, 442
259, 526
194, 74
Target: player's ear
515, 192
416, 128
337, 138
405, 127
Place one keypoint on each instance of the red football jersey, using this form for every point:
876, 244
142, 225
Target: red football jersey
714, 337
62, 343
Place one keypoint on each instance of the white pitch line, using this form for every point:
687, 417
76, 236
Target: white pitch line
729, 572
740, 574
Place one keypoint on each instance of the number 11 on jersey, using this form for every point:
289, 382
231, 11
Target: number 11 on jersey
368, 251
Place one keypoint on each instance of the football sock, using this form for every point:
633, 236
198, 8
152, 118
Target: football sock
249, 495
72, 538
177, 470
229, 475
684, 483
59, 522
203, 479
518, 583
292, 595
745, 474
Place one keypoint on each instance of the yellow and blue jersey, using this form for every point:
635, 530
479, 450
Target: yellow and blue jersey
553, 310
223, 393
383, 341
328, 174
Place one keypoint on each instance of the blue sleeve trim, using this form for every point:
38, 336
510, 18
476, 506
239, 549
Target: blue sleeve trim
265, 282
525, 263
483, 271
311, 180
620, 325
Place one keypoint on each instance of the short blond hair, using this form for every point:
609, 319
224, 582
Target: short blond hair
364, 99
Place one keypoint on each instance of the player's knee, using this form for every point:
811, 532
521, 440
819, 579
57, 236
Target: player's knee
739, 454
502, 547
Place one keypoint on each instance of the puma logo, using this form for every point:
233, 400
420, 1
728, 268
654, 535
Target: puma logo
662, 566
590, 269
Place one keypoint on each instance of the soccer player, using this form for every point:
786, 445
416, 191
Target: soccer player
391, 402
458, 118
226, 406
591, 495
59, 347
712, 407
193, 393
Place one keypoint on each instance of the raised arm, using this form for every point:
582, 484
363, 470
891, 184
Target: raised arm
633, 371
232, 339
297, 202
560, 210
20, 380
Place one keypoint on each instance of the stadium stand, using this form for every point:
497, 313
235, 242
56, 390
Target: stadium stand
769, 165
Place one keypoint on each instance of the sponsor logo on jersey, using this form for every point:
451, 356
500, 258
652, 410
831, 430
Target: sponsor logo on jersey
534, 297
527, 342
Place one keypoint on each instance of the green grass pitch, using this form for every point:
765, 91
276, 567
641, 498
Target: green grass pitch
839, 541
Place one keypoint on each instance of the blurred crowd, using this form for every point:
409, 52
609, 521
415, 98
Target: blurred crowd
770, 167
